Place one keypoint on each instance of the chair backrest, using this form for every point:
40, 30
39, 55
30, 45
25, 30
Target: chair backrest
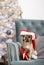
36, 26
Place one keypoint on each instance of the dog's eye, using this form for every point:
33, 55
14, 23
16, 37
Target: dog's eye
29, 36
23, 35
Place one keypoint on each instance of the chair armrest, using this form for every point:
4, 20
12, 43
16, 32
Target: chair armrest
13, 51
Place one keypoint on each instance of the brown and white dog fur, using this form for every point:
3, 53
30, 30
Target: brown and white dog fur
27, 44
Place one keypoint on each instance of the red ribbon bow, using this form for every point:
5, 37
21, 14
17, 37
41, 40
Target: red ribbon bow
25, 54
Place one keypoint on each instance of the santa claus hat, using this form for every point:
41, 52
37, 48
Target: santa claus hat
27, 32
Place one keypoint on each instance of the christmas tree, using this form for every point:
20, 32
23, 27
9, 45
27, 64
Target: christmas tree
9, 12
9, 9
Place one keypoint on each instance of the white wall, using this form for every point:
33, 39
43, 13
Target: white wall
32, 9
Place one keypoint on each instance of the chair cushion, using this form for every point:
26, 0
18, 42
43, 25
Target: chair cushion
31, 62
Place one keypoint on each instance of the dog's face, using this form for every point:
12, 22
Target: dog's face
27, 38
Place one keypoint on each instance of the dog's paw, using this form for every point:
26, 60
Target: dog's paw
34, 57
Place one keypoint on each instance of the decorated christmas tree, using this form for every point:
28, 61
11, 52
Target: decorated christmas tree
9, 9
9, 12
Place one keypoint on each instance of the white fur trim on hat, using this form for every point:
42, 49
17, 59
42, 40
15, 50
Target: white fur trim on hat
28, 33
24, 33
